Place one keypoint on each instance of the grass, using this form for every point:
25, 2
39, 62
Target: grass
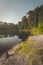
32, 51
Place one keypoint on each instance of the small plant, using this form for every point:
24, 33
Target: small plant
41, 55
34, 62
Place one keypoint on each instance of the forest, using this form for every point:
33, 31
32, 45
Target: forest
29, 51
31, 23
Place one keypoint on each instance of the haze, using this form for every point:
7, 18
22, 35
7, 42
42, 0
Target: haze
11, 11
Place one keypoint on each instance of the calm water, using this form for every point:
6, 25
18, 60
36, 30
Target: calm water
7, 43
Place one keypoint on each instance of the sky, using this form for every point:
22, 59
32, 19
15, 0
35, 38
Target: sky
12, 11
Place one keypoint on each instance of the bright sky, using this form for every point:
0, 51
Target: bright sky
12, 11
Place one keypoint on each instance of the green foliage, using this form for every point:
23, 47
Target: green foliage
34, 21
41, 54
26, 47
31, 52
37, 31
34, 62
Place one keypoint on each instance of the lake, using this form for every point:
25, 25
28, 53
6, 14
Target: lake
8, 42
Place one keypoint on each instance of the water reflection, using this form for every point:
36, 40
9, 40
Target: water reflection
7, 43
